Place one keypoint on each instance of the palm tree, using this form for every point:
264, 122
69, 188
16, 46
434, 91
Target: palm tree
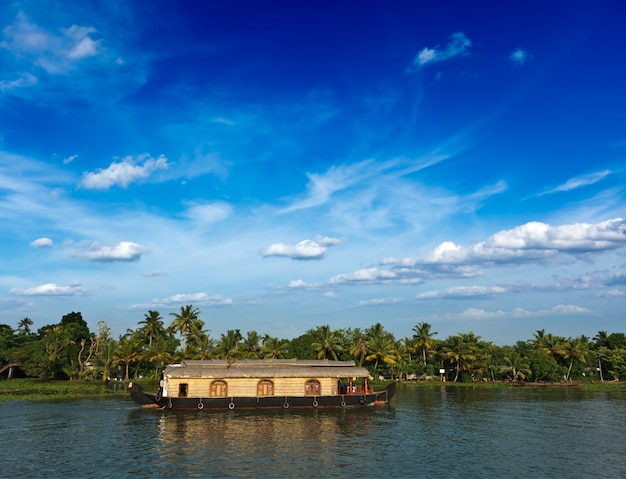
359, 350
574, 351
601, 339
153, 326
380, 345
461, 352
25, 324
326, 343
251, 344
518, 365
228, 346
423, 338
158, 354
184, 322
128, 351
274, 348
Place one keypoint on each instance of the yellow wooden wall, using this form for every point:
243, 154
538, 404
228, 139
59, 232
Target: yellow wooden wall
247, 387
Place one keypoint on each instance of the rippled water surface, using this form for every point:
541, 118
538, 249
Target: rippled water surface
425, 432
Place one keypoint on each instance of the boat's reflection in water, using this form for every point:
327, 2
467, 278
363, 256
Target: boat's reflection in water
260, 442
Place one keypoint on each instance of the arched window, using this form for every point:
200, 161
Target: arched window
312, 388
265, 388
219, 389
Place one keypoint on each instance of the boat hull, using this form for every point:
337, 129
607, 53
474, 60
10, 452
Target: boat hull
268, 402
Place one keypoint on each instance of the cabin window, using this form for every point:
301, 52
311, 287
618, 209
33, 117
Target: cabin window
182, 390
219, 389
265, 388
312, 388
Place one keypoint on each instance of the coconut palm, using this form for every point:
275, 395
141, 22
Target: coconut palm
461, 351
128, 351
158, 354
423, 339
25, 324
326, 343
229, 347
274, 348
574, 350
359, 350
153, 326
380, 345
251, 344
185, 322
518, 365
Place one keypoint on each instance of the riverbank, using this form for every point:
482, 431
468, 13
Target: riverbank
30, 389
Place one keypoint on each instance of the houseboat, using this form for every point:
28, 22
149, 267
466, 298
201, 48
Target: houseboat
262, 384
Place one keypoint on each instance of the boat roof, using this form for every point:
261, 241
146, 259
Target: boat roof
265, 368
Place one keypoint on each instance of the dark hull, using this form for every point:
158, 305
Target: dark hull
269, 402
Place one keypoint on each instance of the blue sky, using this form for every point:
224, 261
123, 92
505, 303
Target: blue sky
282, 165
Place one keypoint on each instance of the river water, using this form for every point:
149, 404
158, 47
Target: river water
425, 432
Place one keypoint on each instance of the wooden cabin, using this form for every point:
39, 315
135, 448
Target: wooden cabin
263, 378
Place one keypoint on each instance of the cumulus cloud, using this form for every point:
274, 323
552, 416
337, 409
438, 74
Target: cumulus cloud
458, 45
534, 241
50, 289
520, 56
123, 173
42, 243
124, 251
304, 250
298, 283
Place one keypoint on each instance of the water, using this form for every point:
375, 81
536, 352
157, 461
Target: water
425, 432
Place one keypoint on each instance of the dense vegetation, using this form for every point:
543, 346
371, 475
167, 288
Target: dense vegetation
68, 350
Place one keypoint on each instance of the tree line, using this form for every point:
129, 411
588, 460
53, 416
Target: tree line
69, 350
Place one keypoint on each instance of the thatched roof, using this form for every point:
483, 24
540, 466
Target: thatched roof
266, 368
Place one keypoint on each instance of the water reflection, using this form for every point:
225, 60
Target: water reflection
265, 442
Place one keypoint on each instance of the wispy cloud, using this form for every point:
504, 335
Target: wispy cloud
124, 172
56, 52
463, 292
520, 56
578, 182
458, 45
558, 310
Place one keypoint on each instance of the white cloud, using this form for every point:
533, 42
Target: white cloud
364, 275
463, 292
50, 289
197, 299
124, 251
208, 213
534, 241
56, 52
520, 56
558, 310
611, 293
328, 241
304, 250
578, 182
458, 45
42, 243
69, 159
380, 301
123, 173
298, 283
25, 80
